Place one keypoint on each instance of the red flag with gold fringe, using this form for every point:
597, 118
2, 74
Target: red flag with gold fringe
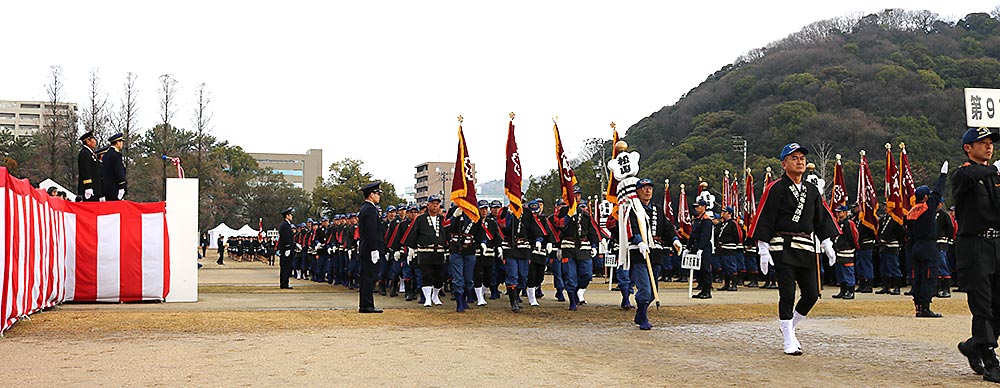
463, 186
893, 201
838, 196
683, 215
512, 177
866, 196
566, 177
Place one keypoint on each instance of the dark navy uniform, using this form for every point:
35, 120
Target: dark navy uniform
921, 245
113, 171
371, 247
89, 172
286, 247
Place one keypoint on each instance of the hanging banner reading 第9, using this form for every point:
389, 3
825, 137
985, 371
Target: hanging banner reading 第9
981, 107
56, 251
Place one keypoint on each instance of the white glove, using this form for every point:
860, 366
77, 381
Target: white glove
410, 253
602, 247
90, 192
643, 247
374, 257
121, 192
944, 167
677, 245
538, 245
298, 246
593, 252
827, 247
102, 199
548, 248
997, 165
764, 250
457, 213
700, 251
483, 246
288, 253
500, 254
397, 255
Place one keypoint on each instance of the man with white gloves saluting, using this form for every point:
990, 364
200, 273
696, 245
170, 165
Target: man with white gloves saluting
790, 215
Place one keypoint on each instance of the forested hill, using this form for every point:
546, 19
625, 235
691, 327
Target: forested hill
838, 86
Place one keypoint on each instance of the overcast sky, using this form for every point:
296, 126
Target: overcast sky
383, 81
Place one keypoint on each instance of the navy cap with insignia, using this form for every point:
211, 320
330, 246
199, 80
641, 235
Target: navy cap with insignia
728, 209
483, 203
700, 202
539, 200
643, 183
325, 219
842, 208
532, 205
433, 198
411, 208
287, 211
370, 188
496, 203
116, 137
577, 189
792, 147
921, 192
560, 202
87, 135
973, 135
102, 150
422, 206
390, 209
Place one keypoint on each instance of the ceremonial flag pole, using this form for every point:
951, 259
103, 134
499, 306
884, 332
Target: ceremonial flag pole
567, 179
512, 176
750, 204
463, 185
866, 196
611, 195
838, 196
683, 215
893, 201
906, 185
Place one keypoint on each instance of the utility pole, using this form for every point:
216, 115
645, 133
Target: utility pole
740, 145
444, 200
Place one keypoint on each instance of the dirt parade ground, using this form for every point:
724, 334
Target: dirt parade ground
246, 332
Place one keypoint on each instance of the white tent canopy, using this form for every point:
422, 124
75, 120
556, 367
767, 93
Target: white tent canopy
227, 232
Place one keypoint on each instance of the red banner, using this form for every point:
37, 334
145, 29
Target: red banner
566, 177
56, 251
838, 196
512, 177
750, 204
726, 194
668, 210
893, 202
906, 186
866, 196
463, 186
683, 215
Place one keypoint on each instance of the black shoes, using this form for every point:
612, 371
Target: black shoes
923, 310
370, 310
975, 362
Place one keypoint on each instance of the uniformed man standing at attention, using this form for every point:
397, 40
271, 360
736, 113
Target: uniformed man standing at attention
113, 169
976, 190
790, 215
89, 185
371, 246
286, 247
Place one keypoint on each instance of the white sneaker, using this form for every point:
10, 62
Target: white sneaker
579, 295
480, 300
532, 300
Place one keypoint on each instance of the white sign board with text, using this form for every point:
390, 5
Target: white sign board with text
981, 107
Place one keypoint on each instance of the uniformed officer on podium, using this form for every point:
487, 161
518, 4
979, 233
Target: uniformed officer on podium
286, 246
372, 249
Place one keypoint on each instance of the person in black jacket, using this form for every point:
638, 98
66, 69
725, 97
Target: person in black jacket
921, 245
286, 247
113, 169
700, 243
371, 246
89, 186
846, 246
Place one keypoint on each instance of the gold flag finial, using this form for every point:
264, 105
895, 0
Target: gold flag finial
902, 145
460, 119
613, 125
511, 116
555, 118
888, 146
862, 153
838, 156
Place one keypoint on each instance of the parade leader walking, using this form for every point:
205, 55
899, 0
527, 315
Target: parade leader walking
372, 245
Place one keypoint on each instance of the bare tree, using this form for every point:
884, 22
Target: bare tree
168, 93
824, 153
202, 118
56, 136
125, 122
96, 115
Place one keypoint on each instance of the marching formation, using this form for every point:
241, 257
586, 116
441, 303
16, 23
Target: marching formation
794, 239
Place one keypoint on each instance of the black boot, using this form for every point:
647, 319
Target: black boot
393, 288
969, 351
753, 280
843, 290
725, 285
885, 287
945, 291
410, 290
865, 287
381, 288
991, 367
896, 283
515, 304
924, 311
737, 281
849, 293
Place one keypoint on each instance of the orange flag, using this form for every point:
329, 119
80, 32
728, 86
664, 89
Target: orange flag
566, 177
463, 187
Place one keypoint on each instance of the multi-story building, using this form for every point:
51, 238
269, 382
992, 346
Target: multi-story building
25, 118
300, 170
435, 178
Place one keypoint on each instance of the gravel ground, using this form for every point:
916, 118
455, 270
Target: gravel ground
312, 336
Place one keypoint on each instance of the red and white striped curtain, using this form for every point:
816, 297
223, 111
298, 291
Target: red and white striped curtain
56, 251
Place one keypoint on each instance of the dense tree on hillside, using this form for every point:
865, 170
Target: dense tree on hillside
854, 83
